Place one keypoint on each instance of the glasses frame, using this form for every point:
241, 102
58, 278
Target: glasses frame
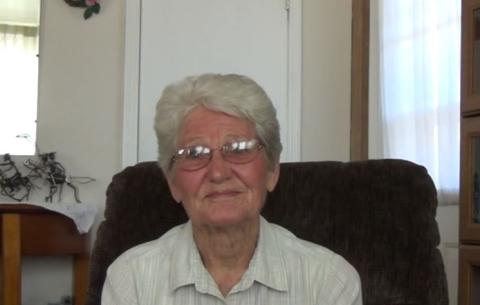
224, 149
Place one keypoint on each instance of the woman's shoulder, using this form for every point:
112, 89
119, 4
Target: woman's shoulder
289, 242
309, 253
315, 263
157, 248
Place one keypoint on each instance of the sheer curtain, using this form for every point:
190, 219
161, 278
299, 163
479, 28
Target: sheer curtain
18, 88
419, 87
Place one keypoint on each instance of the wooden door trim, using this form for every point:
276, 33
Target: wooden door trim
359, 79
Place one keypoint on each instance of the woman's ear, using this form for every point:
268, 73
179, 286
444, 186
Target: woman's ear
173, 189
272, 177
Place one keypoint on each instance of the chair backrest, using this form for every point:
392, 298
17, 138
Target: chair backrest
378, 214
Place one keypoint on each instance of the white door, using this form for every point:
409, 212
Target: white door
188, 37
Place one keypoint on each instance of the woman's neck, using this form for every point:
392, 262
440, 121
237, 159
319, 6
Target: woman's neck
226, 251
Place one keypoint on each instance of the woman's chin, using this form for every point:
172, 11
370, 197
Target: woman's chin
228, 218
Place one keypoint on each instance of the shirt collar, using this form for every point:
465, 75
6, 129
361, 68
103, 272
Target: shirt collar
187, 267
267, 266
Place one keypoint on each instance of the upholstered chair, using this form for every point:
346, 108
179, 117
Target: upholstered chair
378, 214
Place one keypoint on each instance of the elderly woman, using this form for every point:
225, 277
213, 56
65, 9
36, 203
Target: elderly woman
219, 148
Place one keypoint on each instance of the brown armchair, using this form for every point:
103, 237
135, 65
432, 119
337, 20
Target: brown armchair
378, 214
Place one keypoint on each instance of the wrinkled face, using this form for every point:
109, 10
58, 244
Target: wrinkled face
221, 193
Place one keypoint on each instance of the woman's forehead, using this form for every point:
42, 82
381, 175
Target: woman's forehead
205, 123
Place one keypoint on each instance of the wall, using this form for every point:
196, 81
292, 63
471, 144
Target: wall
80, 105
326, 80
80, 91
79, 116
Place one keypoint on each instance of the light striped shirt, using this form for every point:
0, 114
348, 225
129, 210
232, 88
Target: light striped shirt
283, 270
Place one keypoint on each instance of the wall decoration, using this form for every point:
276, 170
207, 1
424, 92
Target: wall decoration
91, 6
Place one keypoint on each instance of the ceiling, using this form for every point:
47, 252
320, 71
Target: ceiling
24, 12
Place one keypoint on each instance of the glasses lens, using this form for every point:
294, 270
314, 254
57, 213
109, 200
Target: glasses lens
192, 158
237, 152
242, 151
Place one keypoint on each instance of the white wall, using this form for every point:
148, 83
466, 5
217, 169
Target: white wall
79, 116
326, 80
448, 223
81, 92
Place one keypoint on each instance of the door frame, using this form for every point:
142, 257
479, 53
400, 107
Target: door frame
131, 89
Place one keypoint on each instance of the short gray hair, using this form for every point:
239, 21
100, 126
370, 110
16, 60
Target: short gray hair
235, 95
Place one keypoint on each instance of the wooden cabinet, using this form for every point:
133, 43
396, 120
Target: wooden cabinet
470, 181
470, 83
33, 231
469, 281
469, 250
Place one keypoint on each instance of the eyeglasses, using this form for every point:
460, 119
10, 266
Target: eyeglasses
195, 157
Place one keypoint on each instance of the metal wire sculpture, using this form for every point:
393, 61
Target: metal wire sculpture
45, 167
12, 183
51, 171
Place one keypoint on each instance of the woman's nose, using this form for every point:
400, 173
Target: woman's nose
218, 169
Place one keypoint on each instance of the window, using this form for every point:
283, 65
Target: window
18, 76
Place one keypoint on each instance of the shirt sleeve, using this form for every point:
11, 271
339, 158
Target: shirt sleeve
119, 286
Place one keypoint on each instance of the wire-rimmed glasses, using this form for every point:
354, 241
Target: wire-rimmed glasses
195, 157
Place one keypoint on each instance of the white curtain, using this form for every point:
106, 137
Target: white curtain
18, 88
419, 87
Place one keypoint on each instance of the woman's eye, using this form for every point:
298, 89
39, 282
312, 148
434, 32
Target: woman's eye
196, 152
238, 147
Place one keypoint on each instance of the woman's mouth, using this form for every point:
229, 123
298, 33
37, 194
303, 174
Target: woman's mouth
222, 194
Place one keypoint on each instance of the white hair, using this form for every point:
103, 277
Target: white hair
235, 95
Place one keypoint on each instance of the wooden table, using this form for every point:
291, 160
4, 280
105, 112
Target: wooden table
35, 231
